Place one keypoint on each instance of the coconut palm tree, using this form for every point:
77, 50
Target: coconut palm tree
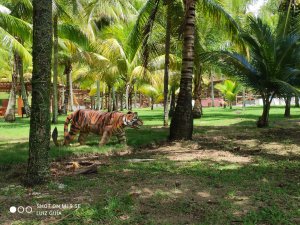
270, 67
14, 32
229, 89
16, 18
39, 138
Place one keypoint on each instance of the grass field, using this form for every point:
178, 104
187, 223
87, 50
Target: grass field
231, 173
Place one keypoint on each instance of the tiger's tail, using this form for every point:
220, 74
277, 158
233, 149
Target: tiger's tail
68, 119
55, 132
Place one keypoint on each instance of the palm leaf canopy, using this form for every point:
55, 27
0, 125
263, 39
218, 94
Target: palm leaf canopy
272, 63
229, 89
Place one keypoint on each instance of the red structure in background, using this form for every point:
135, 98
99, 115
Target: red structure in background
80, 96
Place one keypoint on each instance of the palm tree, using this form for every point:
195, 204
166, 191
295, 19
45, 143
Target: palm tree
229, 89
272, 63
182, 121
39, 138
15, 24
14, 32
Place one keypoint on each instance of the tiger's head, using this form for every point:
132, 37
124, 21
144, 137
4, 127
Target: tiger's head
132, 120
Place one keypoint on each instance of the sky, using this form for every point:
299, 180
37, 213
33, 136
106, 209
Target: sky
255, 6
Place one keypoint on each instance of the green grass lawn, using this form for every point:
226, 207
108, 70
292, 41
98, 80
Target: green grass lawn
231, 173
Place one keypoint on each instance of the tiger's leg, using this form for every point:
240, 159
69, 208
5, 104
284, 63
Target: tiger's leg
122, 138
82, 137
105, 137
71, 135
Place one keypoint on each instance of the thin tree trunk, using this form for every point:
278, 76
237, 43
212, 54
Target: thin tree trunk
103, 98
197, 110
212, 89
287, 111
167, 63
11, 107
182, 121
135, 98
117, 101
130, 99
114, 107
140, 100
127, 96
71, 91
152, 103
172, 102
244, 98
121, 101
109, 109
39, 138
98, 107
67, 72
55, 71
297, 105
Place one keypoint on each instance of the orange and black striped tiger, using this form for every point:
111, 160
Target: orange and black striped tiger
104, 124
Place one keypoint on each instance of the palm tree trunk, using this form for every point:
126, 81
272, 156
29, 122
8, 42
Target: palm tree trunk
297, 105
117, 101
121, 101
103, 98
263, 121
71, 91
39, 138
109, 109
287, 111
172, 102
11, 107
152, 103
127, 96
182, 121
212, 89
67, 72
167, 63
114, 107
98, 107
55, 70
135, 98
197, 110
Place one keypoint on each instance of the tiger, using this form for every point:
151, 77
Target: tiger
104, 124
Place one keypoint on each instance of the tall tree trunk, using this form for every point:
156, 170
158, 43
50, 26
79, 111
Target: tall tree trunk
11, 107
182, 121
117, 101
244, 98
127, 96
152, 103
103, 98
212, 89
263, 121
140, 99
39, 138
55, 70
172, 102
109, 108
197, 110
130, 99
121, 101
98, 107
287, 111
167, 63
67, 72
135, 98
297, 105
71, 91
114, 107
